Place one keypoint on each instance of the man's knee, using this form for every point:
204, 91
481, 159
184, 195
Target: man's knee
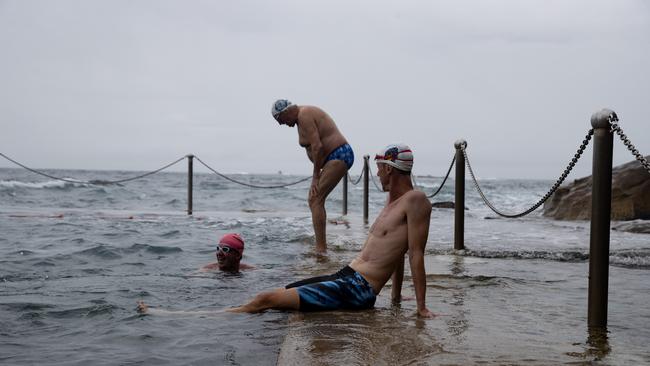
269, 299
316, 201
263, 300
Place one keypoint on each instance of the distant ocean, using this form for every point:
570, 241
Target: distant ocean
75, 258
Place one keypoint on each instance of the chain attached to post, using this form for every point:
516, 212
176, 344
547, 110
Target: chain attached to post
354, 183
453, 160
557, 184
372, 177
613, 122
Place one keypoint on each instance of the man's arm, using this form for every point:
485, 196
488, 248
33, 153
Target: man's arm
418, 215
309, 131
397, 278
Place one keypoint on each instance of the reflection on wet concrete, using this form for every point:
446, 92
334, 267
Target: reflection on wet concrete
457, 323
598, 343
596, 347
375, 337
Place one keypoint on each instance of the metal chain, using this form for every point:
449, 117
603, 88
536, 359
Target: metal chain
94, 181
613, 121
358, 179
248, 184
559, 181
372, 177
453, 160
136, 177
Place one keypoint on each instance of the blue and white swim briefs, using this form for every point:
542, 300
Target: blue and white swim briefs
346, 289
344, 153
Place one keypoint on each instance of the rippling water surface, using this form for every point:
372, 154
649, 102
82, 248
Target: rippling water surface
75, 258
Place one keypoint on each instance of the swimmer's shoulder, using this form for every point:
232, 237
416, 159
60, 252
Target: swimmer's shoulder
417, 199
209, 267
416, 196
311, 112
244, 266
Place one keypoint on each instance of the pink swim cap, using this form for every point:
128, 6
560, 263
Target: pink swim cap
234, 241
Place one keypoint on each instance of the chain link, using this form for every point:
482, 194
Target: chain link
372, 177
94, 181
248, 184
453, 160
613, 121
559, 181
358, 179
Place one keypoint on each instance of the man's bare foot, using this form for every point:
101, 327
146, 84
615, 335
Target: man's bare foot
142, 307
321, 248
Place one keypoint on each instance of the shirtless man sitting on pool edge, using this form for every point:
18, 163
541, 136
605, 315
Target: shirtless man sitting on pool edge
401, 227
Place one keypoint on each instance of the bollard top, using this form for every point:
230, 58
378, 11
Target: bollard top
460, 143
603, 118
189, 156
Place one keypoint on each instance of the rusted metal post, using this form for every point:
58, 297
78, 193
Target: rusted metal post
190, 175
345, 194
366, 178
459, 202
601, 207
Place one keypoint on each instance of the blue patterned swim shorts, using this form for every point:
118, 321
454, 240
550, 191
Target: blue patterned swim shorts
346, 289
344, 153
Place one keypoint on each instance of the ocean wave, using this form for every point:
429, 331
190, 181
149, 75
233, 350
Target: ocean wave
629, 258
25, 306
155, 249
170, 234
562, 256
22, 252
109, 252
101, 251
87, 311
632, 258
51, 184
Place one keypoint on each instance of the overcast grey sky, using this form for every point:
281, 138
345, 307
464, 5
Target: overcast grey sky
135, 84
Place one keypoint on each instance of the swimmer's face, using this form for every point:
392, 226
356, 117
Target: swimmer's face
227, 257
383, 172
288, 117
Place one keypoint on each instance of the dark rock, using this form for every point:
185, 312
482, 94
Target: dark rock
446, 204
630, 196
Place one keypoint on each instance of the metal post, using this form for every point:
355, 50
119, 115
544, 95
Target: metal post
366, 178
345, 194
190, 174
601, 206
459, 203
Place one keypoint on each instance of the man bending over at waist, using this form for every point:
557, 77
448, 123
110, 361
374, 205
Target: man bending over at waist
401, 227
326, 148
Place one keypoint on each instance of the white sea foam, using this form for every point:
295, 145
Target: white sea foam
40, 185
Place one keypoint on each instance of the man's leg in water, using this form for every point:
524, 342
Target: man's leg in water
277, 299
330, 176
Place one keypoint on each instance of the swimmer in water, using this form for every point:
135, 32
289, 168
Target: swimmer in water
229, 254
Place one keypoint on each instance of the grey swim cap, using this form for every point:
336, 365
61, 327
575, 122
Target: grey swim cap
280, 106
